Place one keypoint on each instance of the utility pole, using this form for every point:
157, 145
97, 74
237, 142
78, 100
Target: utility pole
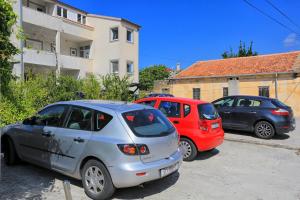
21, 41
276, 86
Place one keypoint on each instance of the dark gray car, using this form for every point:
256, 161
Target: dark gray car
261, 115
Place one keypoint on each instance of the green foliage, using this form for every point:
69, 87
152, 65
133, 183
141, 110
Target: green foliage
24, 98
242, 52
115, 88
7, 49
150, 74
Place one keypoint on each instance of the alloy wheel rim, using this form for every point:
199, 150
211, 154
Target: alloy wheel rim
94, 180
264, 130
186, 149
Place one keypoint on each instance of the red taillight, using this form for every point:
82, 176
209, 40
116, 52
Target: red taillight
132, 149
281, 112
203, 125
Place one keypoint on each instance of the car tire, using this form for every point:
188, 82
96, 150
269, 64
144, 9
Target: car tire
97, 186
264, 130
10, 153
188, 149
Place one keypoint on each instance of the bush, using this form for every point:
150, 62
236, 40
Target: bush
24, 99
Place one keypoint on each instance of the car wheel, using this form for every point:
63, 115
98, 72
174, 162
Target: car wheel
10, 154
188, 149
96, 180
264, 130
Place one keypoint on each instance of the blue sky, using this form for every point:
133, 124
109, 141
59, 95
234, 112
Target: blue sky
186, 31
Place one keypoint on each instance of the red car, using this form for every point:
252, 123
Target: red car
197, 122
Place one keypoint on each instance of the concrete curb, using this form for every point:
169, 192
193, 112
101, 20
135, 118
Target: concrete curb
263, 144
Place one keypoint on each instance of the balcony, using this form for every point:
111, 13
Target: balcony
39, 57
42, 19
72, 62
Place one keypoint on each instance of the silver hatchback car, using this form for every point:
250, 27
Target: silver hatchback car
107, 145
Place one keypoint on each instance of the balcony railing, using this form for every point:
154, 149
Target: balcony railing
72, 62
56, 23
39, 57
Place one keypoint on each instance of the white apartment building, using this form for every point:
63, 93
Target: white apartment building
67, 40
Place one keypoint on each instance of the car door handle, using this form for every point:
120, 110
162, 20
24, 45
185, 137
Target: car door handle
227, 112
176, 122
80, 140
252, 112
47, 134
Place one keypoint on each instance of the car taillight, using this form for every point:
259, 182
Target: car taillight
134, 149
281, 112
203, 125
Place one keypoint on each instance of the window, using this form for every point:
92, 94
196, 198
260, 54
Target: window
196, 93
52, 116
84, 19
225, 91
226, 102
114, 66
65, 13
84, 52
101, 120
79, 18
34, 44
114, 34
80, 119
59, 11
148, 103
207, 111
73, 51
129, 67
244, 102
264, 91
187, 109
129, 35
170, 109
148, 123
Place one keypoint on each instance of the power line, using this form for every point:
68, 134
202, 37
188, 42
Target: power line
270, 17
282, 13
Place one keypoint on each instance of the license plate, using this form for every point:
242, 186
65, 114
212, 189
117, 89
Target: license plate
215, 125
168, 170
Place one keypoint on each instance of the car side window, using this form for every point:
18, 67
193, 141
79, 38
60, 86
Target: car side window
170, 109
186, 109
227, 102
80, 119
149, 103
101, 120
51, 116
245, 102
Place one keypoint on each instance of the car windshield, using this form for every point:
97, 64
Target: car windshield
207, 111
148, 123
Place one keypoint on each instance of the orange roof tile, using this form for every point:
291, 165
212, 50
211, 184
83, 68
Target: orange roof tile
282, 62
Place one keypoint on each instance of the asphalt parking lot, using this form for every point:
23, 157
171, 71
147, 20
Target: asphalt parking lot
244, 167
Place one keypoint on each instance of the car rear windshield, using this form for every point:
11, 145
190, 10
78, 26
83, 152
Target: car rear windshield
279, 103
148, 123
207, 111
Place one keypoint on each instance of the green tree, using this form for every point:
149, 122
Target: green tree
243, 51
7, 49
150, 74
115, 88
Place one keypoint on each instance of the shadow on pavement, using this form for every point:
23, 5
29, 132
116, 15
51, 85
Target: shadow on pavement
26, 181
207, 154
250, 134
148, 189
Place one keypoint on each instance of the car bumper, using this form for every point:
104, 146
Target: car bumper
285, 126
205, 142
125, 174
